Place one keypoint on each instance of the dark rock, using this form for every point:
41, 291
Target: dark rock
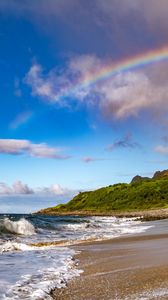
138, 178
160, 174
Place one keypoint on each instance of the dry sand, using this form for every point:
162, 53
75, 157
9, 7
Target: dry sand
123, 268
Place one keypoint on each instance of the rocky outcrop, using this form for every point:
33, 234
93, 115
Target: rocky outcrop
138, 178
157, 175
160, 174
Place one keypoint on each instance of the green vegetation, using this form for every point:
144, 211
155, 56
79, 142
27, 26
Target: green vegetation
139, 195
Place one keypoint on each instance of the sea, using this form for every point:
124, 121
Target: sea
36, 254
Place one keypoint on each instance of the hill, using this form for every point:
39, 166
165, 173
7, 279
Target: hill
141, 194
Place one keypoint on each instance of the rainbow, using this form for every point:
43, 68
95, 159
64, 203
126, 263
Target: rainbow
124, 65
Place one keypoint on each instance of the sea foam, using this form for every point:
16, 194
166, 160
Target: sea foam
43, 271
11, 246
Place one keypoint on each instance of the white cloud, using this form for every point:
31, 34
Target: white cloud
11, 146
162, 149
56, 189
120, 96
42, 150
18, 147
17, 188
126, 94
40, 86
51, 86
5, 189
72, 81
85, 65
129, 93
20, 188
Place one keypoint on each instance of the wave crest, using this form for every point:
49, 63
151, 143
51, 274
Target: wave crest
19, 227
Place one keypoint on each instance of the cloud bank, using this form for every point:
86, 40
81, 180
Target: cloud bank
20, 188
117, 22
17, 188
20, 147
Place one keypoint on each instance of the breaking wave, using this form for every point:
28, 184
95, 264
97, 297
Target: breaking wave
22, 226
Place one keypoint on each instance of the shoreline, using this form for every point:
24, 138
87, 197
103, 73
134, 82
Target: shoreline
153, 214
122, 268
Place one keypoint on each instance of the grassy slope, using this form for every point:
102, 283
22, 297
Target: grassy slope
143, 195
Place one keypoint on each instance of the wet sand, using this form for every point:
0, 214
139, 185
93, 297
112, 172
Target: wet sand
125, 268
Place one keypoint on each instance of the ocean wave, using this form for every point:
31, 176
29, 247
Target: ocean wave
22, 226
76, 227
105, 224
43, 261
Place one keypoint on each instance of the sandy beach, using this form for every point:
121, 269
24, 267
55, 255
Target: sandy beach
125, 268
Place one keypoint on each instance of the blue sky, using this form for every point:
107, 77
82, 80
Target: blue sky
55, 140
